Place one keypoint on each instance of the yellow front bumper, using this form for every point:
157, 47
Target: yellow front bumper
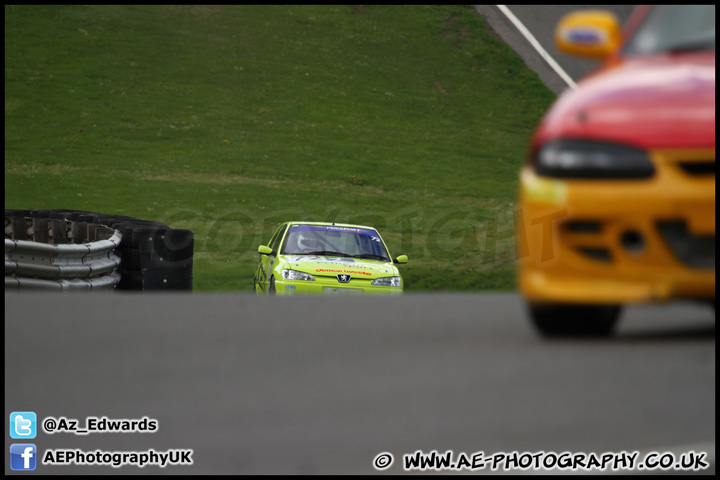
330, 286
619, 241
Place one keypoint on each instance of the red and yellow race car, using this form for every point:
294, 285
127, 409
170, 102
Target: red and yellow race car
617, 197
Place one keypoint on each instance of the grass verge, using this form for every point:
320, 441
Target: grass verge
228, 120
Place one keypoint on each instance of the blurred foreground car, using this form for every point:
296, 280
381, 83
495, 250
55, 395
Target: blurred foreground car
617, 199
326, 258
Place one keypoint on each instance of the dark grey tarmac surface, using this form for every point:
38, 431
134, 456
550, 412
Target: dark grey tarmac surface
322, 385
540, 21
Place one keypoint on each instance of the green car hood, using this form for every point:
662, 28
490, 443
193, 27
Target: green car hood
332, 266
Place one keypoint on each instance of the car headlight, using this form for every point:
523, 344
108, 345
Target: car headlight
295, 275
387, 281
592, 159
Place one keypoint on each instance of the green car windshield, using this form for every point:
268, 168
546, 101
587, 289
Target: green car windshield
334, 241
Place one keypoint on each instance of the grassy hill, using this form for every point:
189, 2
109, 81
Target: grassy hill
227, 120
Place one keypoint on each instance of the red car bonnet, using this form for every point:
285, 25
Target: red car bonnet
661, 101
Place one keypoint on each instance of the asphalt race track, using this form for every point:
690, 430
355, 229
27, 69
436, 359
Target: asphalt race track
540, 21
311, 385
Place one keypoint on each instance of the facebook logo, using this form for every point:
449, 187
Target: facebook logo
23, 425
22, 456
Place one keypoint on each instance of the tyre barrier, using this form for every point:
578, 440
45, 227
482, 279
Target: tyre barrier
61, 249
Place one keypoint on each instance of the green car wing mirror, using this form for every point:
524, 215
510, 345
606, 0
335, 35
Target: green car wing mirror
401, 259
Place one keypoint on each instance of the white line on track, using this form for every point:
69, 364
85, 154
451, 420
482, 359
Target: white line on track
531, 39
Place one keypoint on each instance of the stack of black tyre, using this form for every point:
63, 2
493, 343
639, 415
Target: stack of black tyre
154, 256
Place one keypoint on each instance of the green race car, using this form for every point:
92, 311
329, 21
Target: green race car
326, 258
